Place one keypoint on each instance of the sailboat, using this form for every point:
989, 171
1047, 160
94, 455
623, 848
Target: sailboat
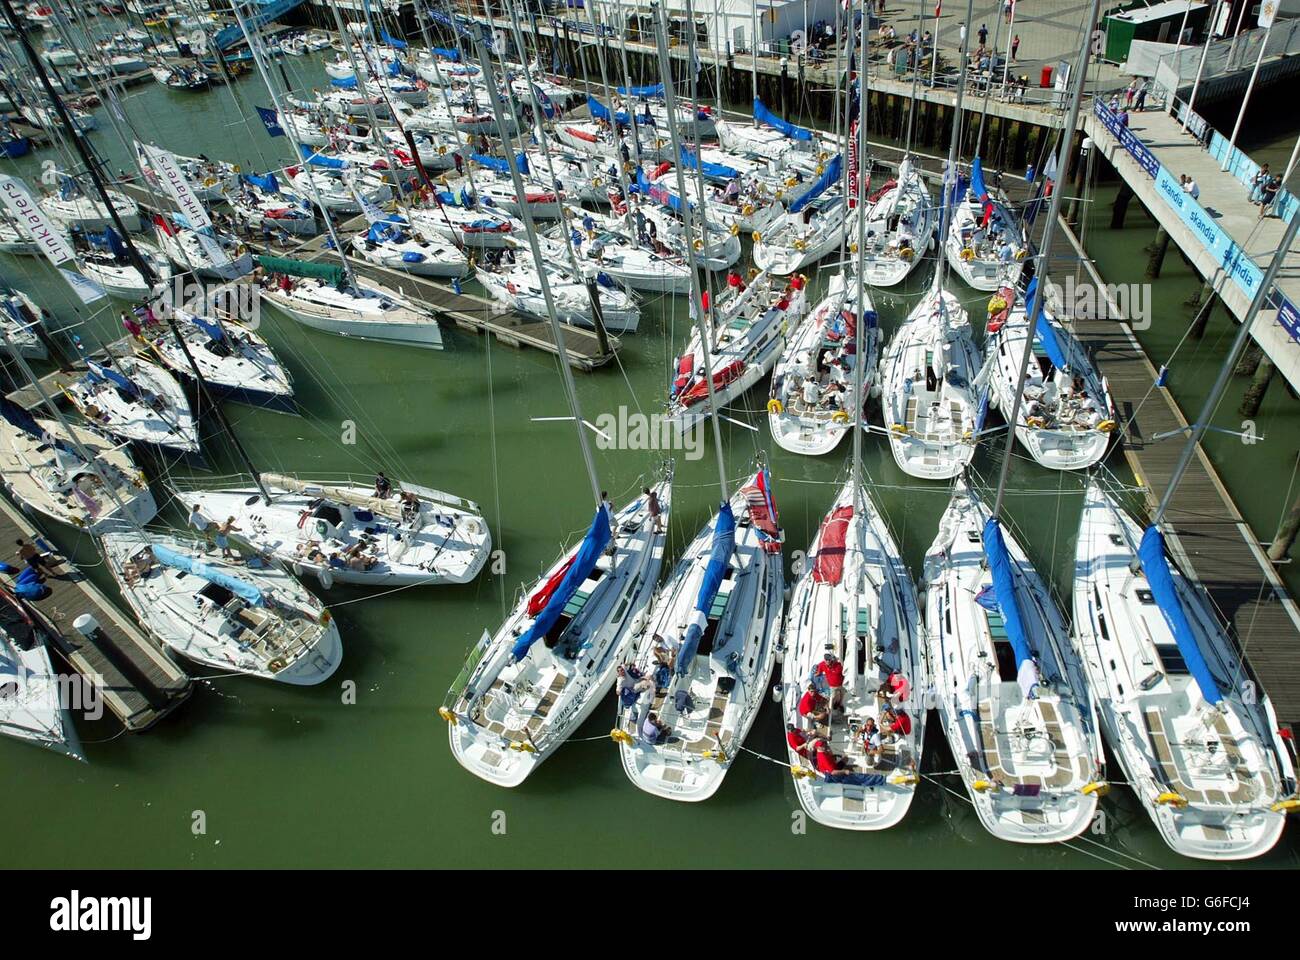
342, 532
767, 138
812, 420
43, 470
392, 244
634, 263
233, 360
814, 224
1206, 762
982, 229
1010, 692
746, 339
31, 692
1066, 414
323, 297
208, 253
105, 261
900, 227
927, 382
518, 286
250, 618
133, 399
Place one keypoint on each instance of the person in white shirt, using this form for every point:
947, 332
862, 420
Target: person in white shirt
811, 392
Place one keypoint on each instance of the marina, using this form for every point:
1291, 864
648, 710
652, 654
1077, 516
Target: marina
828, 541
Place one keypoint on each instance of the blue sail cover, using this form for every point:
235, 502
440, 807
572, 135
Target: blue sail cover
977, 184
391, 40
1045, 333
446, 54
113, 377
656, 91
345, 83
1156, 567
385, 230
601, 112
724, 541
394, 68
500, 164
211, 327
179, 561
266, 183
714, 171
829, 176
1004, 590
320, 160
764, 115
20, 418
584, 561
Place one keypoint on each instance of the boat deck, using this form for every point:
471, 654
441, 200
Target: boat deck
137, 681
1212, 541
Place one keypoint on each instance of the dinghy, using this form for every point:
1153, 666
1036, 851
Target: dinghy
900, 228
811, 408
714, 626
1206, 761
1009, 689
852, 626
248, 617
1066, 414
748, 336
133, 399
526, 689
342, 533
43, 471
322, 297
232, 359
927, 387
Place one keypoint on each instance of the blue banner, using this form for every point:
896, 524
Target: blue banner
1243, 271
1289, 317
1127, 139
271, 120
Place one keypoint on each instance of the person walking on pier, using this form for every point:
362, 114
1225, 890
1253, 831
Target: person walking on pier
1257, 184
1008, 8
1270, 190
1130, 93
984, 34
1140, 103
1015, 47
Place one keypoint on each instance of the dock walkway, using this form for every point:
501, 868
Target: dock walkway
1212, 540
136, 680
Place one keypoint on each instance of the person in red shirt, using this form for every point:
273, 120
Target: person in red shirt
831, 669
797, 739
895, 723
826, 761
813, 706
895, 689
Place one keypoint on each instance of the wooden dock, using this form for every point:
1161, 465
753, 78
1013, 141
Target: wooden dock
53, 383
1211, 540
136, 680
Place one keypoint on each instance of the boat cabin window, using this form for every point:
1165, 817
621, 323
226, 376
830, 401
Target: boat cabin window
1006, 657
1172, 658
217, 594
1145, 596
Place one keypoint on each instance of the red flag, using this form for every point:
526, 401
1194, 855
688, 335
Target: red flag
161, 223
937, 7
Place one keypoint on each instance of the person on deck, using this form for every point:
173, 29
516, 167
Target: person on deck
383, 486
813, 706
797, 740
654, 730
656, 511
870, 741
831, 671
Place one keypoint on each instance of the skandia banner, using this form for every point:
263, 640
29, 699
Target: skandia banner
54, 245
1243, 271
174, 182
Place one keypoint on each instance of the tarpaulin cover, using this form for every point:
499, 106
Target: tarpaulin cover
240, 588
391, 40
446, 54
584, 561
1004, 590
764, 115
714, 171
724, 541
211, 327
345, 83
1046, 332
500, 164
320, 160
265, 182
829, 176
656, 91
830, 554
1155, 565
700, 391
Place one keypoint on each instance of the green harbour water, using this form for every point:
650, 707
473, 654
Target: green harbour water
297, 777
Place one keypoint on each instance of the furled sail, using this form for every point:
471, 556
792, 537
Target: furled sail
830, 553
1155, 565
1045, 333
240, 588
1004, 591
829, 176
301, 268
764, 115
584, 561
724, 541
714, 171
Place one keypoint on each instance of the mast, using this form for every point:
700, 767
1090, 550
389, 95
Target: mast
753, 51
953, 153
613, 115
916, 70
1062, 166
696, 306
140, 263
566, 375
859, 355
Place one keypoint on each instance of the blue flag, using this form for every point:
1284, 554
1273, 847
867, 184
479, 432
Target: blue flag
272, 121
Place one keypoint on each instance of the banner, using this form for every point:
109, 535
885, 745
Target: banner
1239, 266
85, 288
271, 120
1289, 317
54, 245
173, 180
